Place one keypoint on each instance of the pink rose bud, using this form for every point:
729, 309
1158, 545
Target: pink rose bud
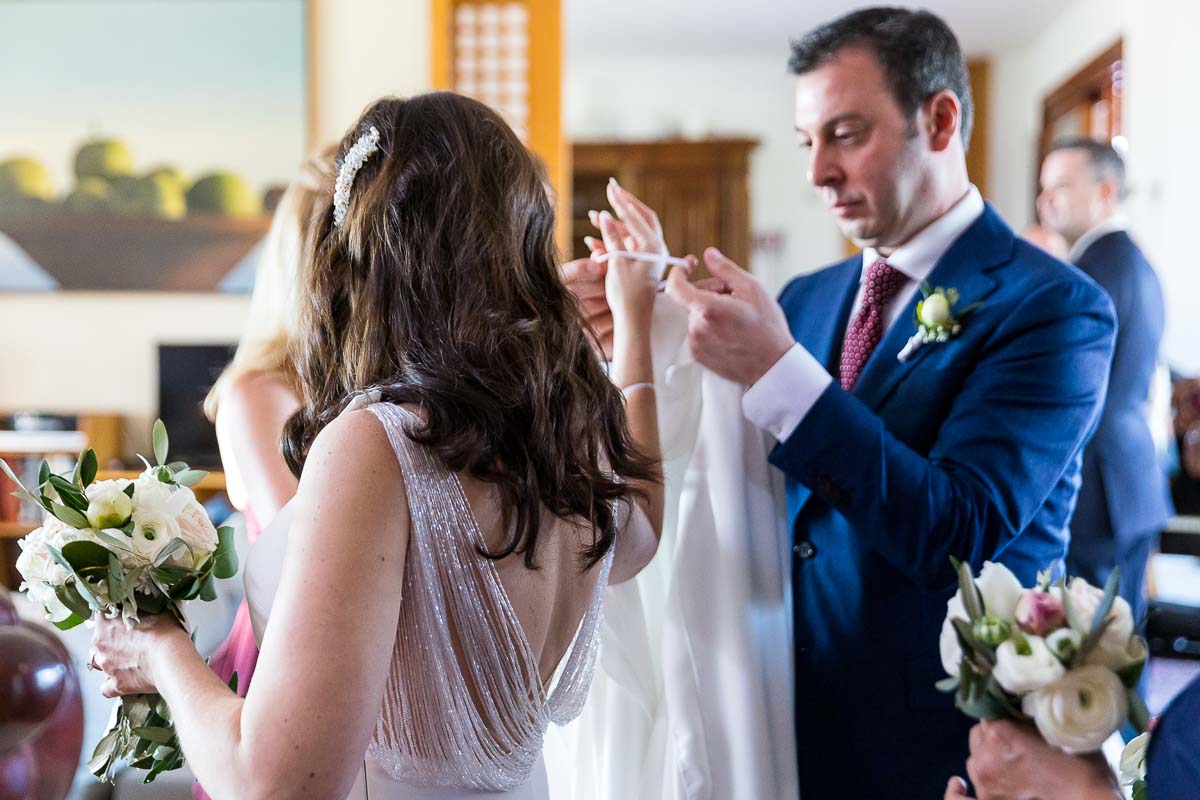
1040, 613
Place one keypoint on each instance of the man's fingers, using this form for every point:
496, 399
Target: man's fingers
714, 285
721, 267
684, 293
955, 788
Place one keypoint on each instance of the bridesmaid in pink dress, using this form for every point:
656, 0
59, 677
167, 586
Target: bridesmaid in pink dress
254, 396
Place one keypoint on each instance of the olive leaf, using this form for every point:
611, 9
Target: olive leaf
160, 441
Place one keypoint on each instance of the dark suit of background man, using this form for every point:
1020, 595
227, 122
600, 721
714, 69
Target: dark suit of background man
1123, 502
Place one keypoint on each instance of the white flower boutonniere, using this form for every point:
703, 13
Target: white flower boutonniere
935, 318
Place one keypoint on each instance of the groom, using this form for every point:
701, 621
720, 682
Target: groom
968, 447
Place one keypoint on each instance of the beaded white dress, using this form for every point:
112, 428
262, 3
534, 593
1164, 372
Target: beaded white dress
465, 722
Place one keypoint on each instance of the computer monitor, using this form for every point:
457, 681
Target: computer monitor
185, 374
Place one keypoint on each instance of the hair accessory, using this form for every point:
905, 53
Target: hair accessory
367, 144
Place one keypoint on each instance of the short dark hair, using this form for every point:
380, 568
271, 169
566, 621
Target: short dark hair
1103, 158
919, 54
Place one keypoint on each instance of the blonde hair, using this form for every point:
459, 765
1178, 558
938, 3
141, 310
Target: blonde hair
274, 317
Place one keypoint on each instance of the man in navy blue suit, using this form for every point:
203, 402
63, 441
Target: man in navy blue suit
1123, 502
901, 450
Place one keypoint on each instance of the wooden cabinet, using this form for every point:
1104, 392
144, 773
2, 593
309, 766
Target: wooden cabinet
700, 190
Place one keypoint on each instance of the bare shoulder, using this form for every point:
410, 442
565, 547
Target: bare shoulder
353, 450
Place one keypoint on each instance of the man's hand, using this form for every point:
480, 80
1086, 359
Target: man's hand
735, 327
1010, 761
585, 280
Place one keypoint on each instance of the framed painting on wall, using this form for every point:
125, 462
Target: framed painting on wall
146, 142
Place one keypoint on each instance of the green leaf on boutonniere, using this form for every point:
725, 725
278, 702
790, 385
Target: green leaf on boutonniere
1139, 715
1139, 790
233, 682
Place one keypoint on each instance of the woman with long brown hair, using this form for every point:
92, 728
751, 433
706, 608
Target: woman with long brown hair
456, 524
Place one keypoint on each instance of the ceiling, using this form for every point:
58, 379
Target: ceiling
597, 27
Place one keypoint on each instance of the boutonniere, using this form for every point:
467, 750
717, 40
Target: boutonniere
935, 318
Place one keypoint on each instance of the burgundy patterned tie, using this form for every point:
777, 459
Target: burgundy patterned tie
866, 330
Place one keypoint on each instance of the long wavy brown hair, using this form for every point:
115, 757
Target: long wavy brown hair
442, 288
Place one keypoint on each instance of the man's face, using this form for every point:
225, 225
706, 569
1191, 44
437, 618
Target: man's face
865, 160
1071, 201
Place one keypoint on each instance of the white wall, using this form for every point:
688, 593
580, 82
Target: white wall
77, 351
636, 96
1162, 69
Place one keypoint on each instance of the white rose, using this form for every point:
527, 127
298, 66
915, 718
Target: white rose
108, 505
1117, 648
935, 310
150, 495
198, 531
1133, 759
1080, 710
948, 644
152, 531
1024, 669
35, 563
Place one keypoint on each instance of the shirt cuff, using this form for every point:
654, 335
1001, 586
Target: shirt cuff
784, 395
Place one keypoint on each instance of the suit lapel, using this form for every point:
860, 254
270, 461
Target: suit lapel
814, 330
987, 243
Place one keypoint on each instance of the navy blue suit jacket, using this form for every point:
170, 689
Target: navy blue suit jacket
970, 448
1124, 492
1173, 761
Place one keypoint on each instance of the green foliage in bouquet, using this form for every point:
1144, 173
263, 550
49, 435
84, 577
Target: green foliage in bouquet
114, 564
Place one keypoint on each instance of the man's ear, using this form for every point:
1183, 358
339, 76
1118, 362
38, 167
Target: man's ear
941, 118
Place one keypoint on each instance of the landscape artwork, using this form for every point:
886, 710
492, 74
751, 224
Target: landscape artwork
145, 143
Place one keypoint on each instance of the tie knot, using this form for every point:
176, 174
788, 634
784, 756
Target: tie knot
883, 281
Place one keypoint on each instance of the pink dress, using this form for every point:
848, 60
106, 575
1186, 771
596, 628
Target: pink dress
239, 652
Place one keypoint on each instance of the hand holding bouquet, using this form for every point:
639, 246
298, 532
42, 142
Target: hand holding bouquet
1061, 655
124, 548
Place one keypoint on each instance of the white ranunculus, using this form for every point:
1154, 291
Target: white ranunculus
1117, 648
1000, 589
1133, 759
1024, 669
152, 531
948, 644
108, 505
935, 310
1080, 710
1064, 643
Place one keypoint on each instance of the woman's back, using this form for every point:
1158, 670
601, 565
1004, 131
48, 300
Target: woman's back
487, 652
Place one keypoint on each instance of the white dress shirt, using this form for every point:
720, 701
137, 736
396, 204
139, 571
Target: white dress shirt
784, 395
1117, 222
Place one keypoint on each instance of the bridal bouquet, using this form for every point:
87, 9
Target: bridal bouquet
1062, 655
124, 548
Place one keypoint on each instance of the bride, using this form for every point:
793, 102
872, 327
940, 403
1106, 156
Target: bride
435, 589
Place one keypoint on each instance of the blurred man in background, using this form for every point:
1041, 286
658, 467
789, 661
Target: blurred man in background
1123, 503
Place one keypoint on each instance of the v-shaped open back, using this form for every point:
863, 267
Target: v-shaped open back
465, 703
